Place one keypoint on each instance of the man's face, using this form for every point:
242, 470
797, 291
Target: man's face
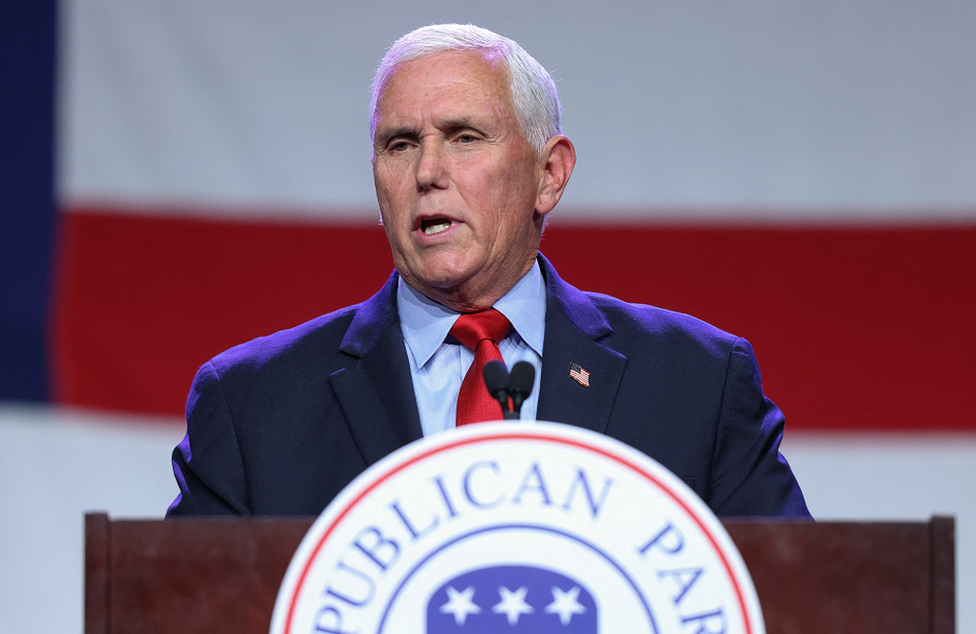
456, 180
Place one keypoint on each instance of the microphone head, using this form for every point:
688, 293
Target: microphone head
496, 380
522, 379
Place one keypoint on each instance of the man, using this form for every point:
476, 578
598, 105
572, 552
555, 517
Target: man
468, 162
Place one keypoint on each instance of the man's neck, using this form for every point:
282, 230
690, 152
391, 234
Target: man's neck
470, 296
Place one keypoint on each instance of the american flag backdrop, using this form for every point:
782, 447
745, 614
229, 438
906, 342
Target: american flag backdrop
181, 176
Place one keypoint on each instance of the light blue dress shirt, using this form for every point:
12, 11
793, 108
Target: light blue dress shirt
438, 367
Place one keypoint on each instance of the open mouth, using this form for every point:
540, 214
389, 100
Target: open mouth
430, 226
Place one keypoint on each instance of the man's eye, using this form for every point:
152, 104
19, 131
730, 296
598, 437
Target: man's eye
467, 138
399, 146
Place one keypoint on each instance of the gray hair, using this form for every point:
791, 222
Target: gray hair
534, 98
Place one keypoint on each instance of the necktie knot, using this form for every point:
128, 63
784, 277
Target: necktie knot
473, 328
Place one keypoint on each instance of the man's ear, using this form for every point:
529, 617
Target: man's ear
559, 158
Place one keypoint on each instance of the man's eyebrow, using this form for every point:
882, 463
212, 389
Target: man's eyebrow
403, 131
460, 123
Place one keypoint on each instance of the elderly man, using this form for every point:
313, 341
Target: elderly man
468, 162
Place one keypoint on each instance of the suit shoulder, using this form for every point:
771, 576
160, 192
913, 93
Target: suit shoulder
313, 338
643, 322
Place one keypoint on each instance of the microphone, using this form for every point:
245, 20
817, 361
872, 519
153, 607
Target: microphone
520, 384
510, 390
497, 382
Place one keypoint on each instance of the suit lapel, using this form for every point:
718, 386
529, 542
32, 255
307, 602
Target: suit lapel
375, 390
575, 329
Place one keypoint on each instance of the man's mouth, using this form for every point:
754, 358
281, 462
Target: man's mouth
430, 226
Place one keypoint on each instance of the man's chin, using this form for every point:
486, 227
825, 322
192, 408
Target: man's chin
439, 282
445, 275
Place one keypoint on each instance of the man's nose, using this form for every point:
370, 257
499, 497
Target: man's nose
431, 166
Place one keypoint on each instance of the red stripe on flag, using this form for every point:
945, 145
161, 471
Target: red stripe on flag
855, 328
143, 301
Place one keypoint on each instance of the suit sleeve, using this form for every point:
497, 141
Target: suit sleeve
207, 464
749, 475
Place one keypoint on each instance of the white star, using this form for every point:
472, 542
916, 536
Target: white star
460, 604
565, 604
512, 604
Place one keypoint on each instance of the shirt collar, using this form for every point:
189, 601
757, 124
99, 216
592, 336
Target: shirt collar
425, 323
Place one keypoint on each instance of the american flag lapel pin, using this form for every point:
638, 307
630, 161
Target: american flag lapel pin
577, 373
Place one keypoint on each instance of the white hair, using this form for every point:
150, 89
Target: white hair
533, 92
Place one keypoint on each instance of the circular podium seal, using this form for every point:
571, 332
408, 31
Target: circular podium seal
517, 528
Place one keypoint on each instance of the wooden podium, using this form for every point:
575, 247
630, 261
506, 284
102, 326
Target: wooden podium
216, 575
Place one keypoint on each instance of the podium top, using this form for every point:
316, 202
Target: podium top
210, 575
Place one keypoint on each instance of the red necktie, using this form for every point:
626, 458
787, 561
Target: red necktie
481, 333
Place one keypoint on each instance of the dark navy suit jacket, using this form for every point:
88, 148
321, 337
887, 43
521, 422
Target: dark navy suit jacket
279, 425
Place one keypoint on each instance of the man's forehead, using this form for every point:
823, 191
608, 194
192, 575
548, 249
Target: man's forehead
477, 66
